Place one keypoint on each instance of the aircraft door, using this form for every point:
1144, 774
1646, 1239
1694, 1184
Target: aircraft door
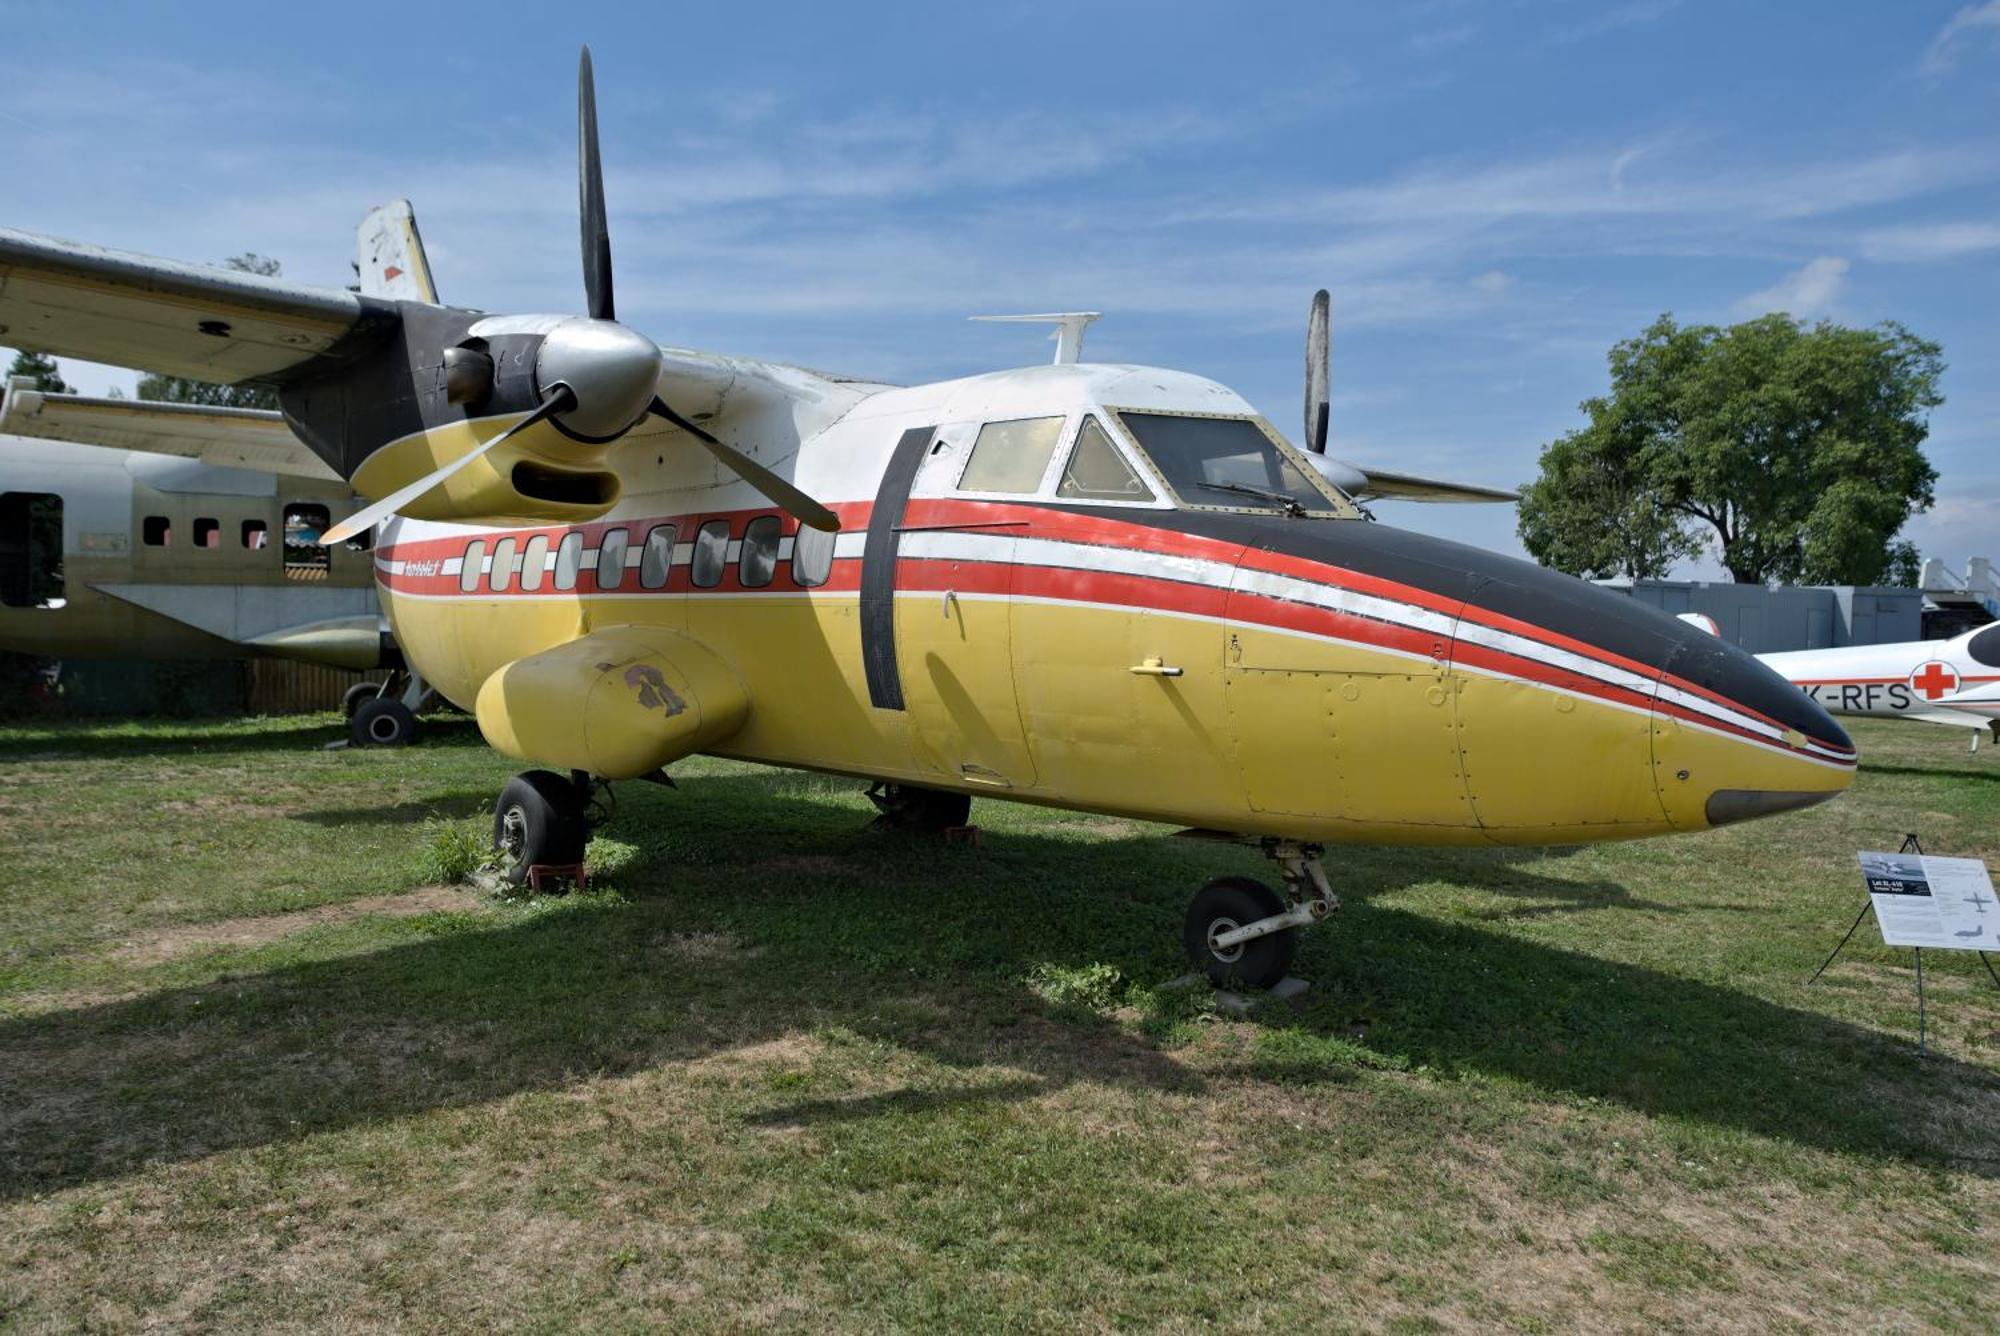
954, 582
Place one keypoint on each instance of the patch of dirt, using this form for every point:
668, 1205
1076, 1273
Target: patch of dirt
167, 943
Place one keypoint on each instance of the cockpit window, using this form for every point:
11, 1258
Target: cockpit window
1011, 456
1097, 472
1221, 461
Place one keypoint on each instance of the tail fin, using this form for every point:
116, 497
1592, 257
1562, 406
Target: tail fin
389, 255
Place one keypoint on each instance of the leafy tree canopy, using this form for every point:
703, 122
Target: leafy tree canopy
41, 368
1797, 450
181, 390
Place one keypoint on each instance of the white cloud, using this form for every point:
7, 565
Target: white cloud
1931, 241
1633, 15
1972, 26
1807, 291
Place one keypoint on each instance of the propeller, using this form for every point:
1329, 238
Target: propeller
1319, 358
560, 398
597, 378
781, 493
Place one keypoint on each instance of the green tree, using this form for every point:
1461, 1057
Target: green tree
181, 390
1797, 450
41, 368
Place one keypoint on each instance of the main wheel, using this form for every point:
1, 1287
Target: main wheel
539, 819
1231, 902
352, 699
382, 722
923, 811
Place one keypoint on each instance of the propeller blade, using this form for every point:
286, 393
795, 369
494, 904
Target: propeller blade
1319, 356
590, 197
559, 400
781, 493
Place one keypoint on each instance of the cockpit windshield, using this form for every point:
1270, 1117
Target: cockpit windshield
1221, 461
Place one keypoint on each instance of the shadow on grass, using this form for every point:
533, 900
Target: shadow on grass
917, 945
1930, 772
97, 738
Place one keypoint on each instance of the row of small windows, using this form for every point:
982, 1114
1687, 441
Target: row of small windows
756, 563
303, 523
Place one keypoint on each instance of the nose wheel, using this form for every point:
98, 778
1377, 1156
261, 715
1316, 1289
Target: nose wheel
1242, 933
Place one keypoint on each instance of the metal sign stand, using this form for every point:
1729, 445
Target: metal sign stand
1910, 846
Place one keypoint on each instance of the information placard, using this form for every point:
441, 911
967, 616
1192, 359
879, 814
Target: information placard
1940, 902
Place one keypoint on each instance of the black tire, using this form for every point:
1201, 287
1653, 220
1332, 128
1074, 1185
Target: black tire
1231, 902
919, 810
352, 698
382, 722
539, 818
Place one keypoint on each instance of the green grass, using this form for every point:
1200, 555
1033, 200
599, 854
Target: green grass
777, 1070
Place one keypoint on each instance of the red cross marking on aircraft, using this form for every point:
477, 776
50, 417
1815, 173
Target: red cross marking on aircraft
1935, 679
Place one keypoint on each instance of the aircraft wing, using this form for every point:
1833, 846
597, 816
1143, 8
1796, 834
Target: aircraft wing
217, 325
246, 438
1386, 486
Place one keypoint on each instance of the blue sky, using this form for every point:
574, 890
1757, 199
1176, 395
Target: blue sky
1495, 192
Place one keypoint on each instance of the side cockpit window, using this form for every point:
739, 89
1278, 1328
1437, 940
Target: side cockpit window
31, 550
1097, 472
1011, 456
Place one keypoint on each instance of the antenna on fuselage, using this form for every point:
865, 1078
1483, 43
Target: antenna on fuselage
1068, 332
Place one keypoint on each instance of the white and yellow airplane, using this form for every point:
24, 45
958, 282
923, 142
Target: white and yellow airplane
1107, 588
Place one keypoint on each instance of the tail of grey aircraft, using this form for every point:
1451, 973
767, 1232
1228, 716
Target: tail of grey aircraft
389, 255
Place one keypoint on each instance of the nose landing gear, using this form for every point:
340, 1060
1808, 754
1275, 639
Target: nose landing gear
1241, 932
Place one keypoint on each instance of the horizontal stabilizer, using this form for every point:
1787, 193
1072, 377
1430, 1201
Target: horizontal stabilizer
245, 438
217, 325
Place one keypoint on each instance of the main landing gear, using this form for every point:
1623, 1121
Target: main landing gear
544, 820
384, 714
1240, 932
918, 810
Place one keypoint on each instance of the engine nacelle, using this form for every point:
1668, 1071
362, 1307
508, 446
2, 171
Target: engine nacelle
620, 702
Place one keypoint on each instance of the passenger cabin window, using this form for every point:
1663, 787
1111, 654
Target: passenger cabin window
305, 559
534, 562
711, 553
657, 559
1227, 462
569, 557
760, 551
468, 574
256, 535
812, 557
155, 531
1011, 456
207, 532
611, 558
31, 550
502, 576
1097, 472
